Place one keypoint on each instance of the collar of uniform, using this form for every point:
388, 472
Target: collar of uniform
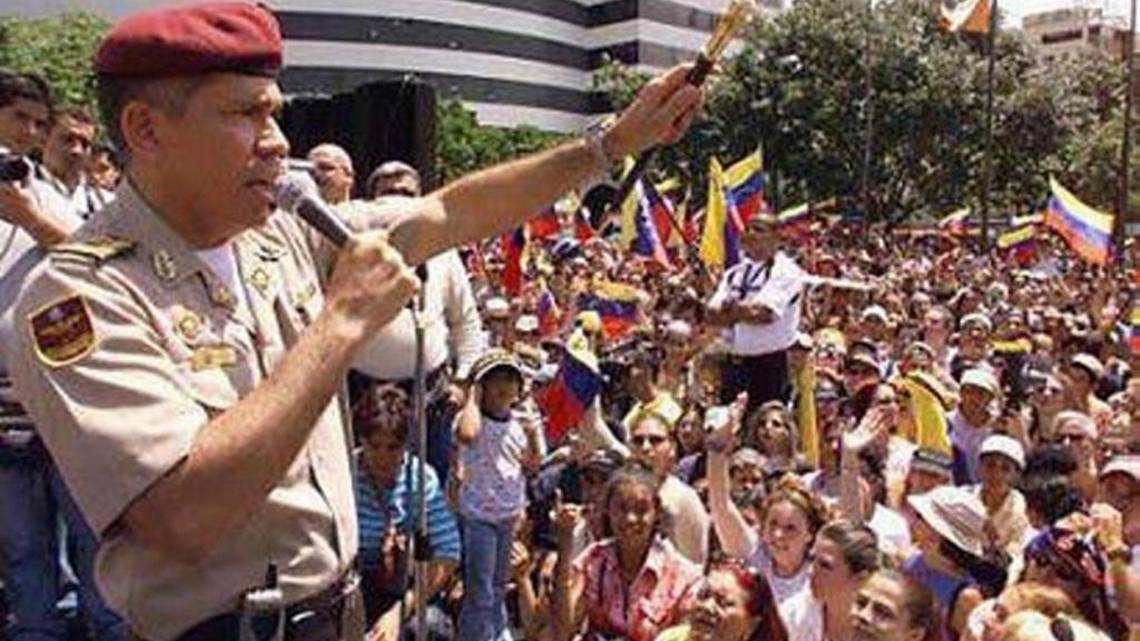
171, 258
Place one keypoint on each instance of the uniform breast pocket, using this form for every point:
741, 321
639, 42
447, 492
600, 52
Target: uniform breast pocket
210, 386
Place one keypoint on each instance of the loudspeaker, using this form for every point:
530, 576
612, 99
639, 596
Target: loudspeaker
375, 123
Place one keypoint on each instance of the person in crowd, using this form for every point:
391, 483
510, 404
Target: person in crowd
393, 178
333, 172
734, 604
988, 621
771, 430
891, 606
844, 556
66, 157
1084, 373
688, 522
791, 517
33, 495
1120, 490
387, 481
641, 383
1066, 555
972, 421
633, 584
103, 168
1002, 459
496, 450
1077, 433
758, 300
1031, 625
949, 534
452, 334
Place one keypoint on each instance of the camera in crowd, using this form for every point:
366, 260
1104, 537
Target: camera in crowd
14, 167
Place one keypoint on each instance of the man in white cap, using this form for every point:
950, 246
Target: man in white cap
971, 422
973, 344
1084, 372
1001, 461
1120, 489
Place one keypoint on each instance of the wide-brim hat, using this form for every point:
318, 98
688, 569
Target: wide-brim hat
956, 514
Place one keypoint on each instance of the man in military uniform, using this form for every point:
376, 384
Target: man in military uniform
183, 361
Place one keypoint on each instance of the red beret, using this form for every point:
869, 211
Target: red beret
184, 41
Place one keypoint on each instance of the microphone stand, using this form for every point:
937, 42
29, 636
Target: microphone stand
421, 546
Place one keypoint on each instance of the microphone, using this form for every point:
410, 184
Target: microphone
297, 193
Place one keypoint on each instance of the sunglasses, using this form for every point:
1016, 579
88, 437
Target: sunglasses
651, 439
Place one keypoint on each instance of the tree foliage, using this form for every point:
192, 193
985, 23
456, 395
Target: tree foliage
59, 48
798, 89
463, 145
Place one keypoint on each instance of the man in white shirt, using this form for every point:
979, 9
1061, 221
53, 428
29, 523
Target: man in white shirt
67, 152
972, 422
33, 497
333, 172
453, 340
758, 301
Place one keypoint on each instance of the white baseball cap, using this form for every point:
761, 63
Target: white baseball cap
1007, 446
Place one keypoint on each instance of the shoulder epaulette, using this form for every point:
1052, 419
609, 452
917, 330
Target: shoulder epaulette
99, 248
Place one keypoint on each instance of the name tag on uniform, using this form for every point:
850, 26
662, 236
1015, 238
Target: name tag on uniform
213, 356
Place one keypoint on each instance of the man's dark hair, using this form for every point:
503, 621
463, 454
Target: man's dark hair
24, 86
114, 93
75, 112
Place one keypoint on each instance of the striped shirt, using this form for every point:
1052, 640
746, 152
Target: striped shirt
377, 507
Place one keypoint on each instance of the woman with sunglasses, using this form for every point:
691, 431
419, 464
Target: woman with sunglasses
631, 585
789, 521
734, 604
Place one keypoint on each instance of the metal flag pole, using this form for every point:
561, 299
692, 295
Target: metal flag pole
987, 178
420, 545
1126, 145
868, 111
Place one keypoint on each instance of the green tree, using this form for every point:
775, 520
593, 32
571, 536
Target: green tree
463, 145
798, 89
60, 48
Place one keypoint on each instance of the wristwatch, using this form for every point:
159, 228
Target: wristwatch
596, 140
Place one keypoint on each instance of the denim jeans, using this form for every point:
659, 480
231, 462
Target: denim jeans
486, 567
33, 499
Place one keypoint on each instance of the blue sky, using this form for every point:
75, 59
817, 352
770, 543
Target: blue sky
1017, 8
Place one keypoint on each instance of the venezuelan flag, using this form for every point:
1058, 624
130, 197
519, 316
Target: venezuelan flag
616, 304
565, 399
955, 223
1134, 334
514, 247
745, 184
545, 225
720, 239
642, 223
549, 315
1087, 231
1017, 238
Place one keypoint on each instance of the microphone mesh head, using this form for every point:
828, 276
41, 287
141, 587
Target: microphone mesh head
294, 186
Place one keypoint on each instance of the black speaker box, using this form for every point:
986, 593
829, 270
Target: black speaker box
377, 122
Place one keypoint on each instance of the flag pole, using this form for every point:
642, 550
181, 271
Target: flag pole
1126, 145
868, 112
987, 178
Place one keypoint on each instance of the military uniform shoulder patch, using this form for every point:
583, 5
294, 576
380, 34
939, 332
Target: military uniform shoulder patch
62, 331
99, 248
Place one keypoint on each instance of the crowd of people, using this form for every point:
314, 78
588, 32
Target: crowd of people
855, 433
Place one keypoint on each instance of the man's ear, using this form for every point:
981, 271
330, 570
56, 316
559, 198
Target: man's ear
137, 121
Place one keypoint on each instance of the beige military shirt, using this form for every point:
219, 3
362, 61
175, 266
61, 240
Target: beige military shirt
126, 344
